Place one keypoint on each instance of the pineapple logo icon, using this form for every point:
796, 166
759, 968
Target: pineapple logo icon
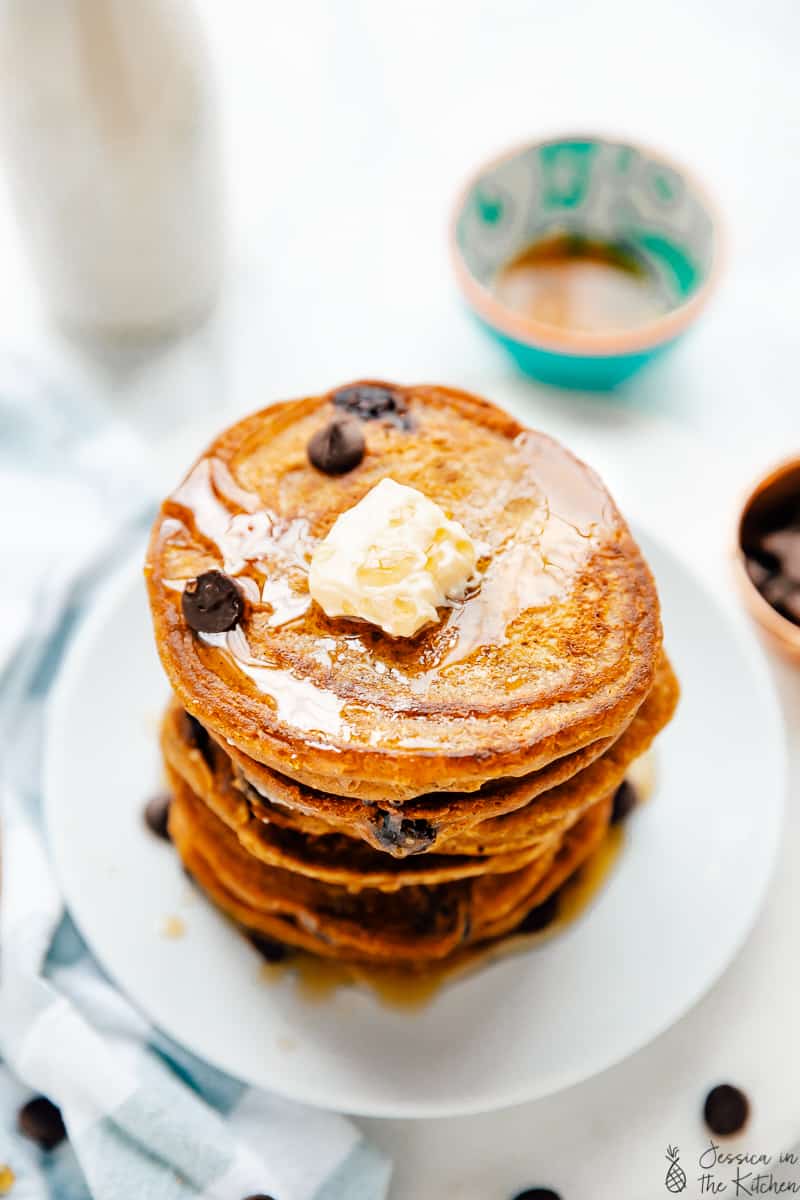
675, 1180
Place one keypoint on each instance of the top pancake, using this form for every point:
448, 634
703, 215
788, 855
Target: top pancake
555, 650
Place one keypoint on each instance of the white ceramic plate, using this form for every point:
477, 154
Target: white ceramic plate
675, 910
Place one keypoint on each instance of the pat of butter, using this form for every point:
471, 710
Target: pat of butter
392, 559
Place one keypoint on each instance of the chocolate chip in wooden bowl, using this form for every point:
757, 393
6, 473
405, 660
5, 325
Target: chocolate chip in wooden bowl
625, 801
784, 545
791, 605
540, 917
726, 1110
775, 589
537, 1193
758, 573
156, 815
338, 447
41, 1122
373, 402
212, 603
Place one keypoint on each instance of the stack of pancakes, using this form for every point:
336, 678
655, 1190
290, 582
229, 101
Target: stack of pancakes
381, 799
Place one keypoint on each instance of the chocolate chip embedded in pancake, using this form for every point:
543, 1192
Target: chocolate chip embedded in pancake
554, 652
374, 402
211, 603
337, 447
397, 833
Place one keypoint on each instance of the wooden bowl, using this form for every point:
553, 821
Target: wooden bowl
780, 483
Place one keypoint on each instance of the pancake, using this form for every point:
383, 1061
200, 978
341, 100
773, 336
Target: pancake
410, 826
415, 926
334, 857
552, 655
453, 823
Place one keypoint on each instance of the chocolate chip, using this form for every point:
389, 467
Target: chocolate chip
41, 1121
259, 1196
776, 589
396, 832
540, 917
269, 950
212, 603
537, 1194
759, 574
784, 544
373, 402
791, 605
156, 815
625, 801
338, 447
726, 1110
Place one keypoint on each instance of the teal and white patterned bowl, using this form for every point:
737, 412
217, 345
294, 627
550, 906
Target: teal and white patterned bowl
605, 190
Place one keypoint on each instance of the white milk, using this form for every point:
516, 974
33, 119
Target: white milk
108, 128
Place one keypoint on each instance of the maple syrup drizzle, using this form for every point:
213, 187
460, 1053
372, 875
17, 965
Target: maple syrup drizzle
298, 701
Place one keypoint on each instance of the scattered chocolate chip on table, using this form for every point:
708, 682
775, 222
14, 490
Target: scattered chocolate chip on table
156, 815
726, 1110
537, 1194
41, 1122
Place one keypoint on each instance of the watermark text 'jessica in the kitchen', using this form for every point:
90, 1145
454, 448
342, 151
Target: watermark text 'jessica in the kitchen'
734, 1173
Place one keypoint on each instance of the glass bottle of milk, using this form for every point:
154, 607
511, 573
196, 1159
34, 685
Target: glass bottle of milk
108, 125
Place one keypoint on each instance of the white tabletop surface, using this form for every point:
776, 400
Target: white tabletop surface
349, 128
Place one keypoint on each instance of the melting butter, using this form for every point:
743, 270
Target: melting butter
393, 559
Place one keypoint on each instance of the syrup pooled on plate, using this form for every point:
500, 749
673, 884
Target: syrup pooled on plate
582, 285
